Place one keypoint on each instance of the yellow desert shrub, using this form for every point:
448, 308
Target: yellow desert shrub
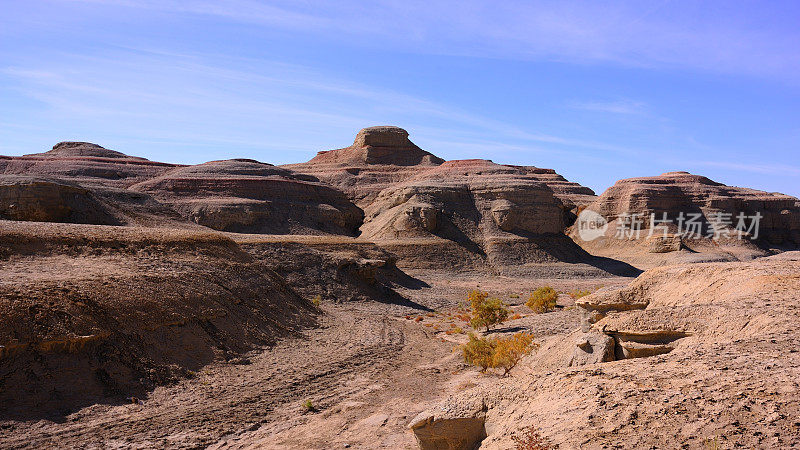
542, 300
500, 353
476, 297
479, 352
489, 312
509, 351
578, 293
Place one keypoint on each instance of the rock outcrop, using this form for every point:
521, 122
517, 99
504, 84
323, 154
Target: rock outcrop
380, 156
383, 156
680, 217
248, 196
91, 312
47, 200
473, 214
684, 338
84, 163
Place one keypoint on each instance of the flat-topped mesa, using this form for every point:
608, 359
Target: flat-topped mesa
385, 145
379, 157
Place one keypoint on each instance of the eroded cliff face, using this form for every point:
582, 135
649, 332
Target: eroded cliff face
681, 217
247, 196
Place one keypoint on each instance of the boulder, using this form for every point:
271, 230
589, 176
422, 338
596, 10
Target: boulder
591, 348
455, 426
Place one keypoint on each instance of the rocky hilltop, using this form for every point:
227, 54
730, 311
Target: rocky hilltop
683, 217
379, 157
247, 196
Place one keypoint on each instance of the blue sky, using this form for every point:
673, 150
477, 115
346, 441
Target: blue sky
598, 91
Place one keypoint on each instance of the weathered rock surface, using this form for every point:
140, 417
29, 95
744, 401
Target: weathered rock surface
96, 312
704, 349
676, 192
84, 162
384, 156
469, 214
34, 199
253, 197
708, 215
380, 156
459, 426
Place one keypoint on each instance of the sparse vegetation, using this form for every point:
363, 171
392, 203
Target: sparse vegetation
542, 300
530, 440
712, 443
308, 406
486, 312
509, 351
479, 352
317, 301
500, 353
513, 296
578, 293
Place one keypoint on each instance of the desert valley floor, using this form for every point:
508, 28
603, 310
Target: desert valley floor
237, 304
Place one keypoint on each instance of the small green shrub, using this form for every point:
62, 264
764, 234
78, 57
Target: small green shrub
485, 311
542, 300
308, 406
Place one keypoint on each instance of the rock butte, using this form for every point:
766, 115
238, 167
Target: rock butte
159, 305
674, 193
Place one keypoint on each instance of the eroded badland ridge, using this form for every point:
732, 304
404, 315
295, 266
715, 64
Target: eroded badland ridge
238, 304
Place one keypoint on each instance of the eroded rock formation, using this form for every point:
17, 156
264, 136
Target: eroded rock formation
248, 196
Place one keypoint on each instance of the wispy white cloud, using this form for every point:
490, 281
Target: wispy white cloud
720, 37
222, 95
615, 107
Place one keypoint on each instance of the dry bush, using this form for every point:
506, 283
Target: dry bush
316, 301
578, 293
542, 300
479, 352
476, 297
501, 353
530, 440
486, 311
509, 351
